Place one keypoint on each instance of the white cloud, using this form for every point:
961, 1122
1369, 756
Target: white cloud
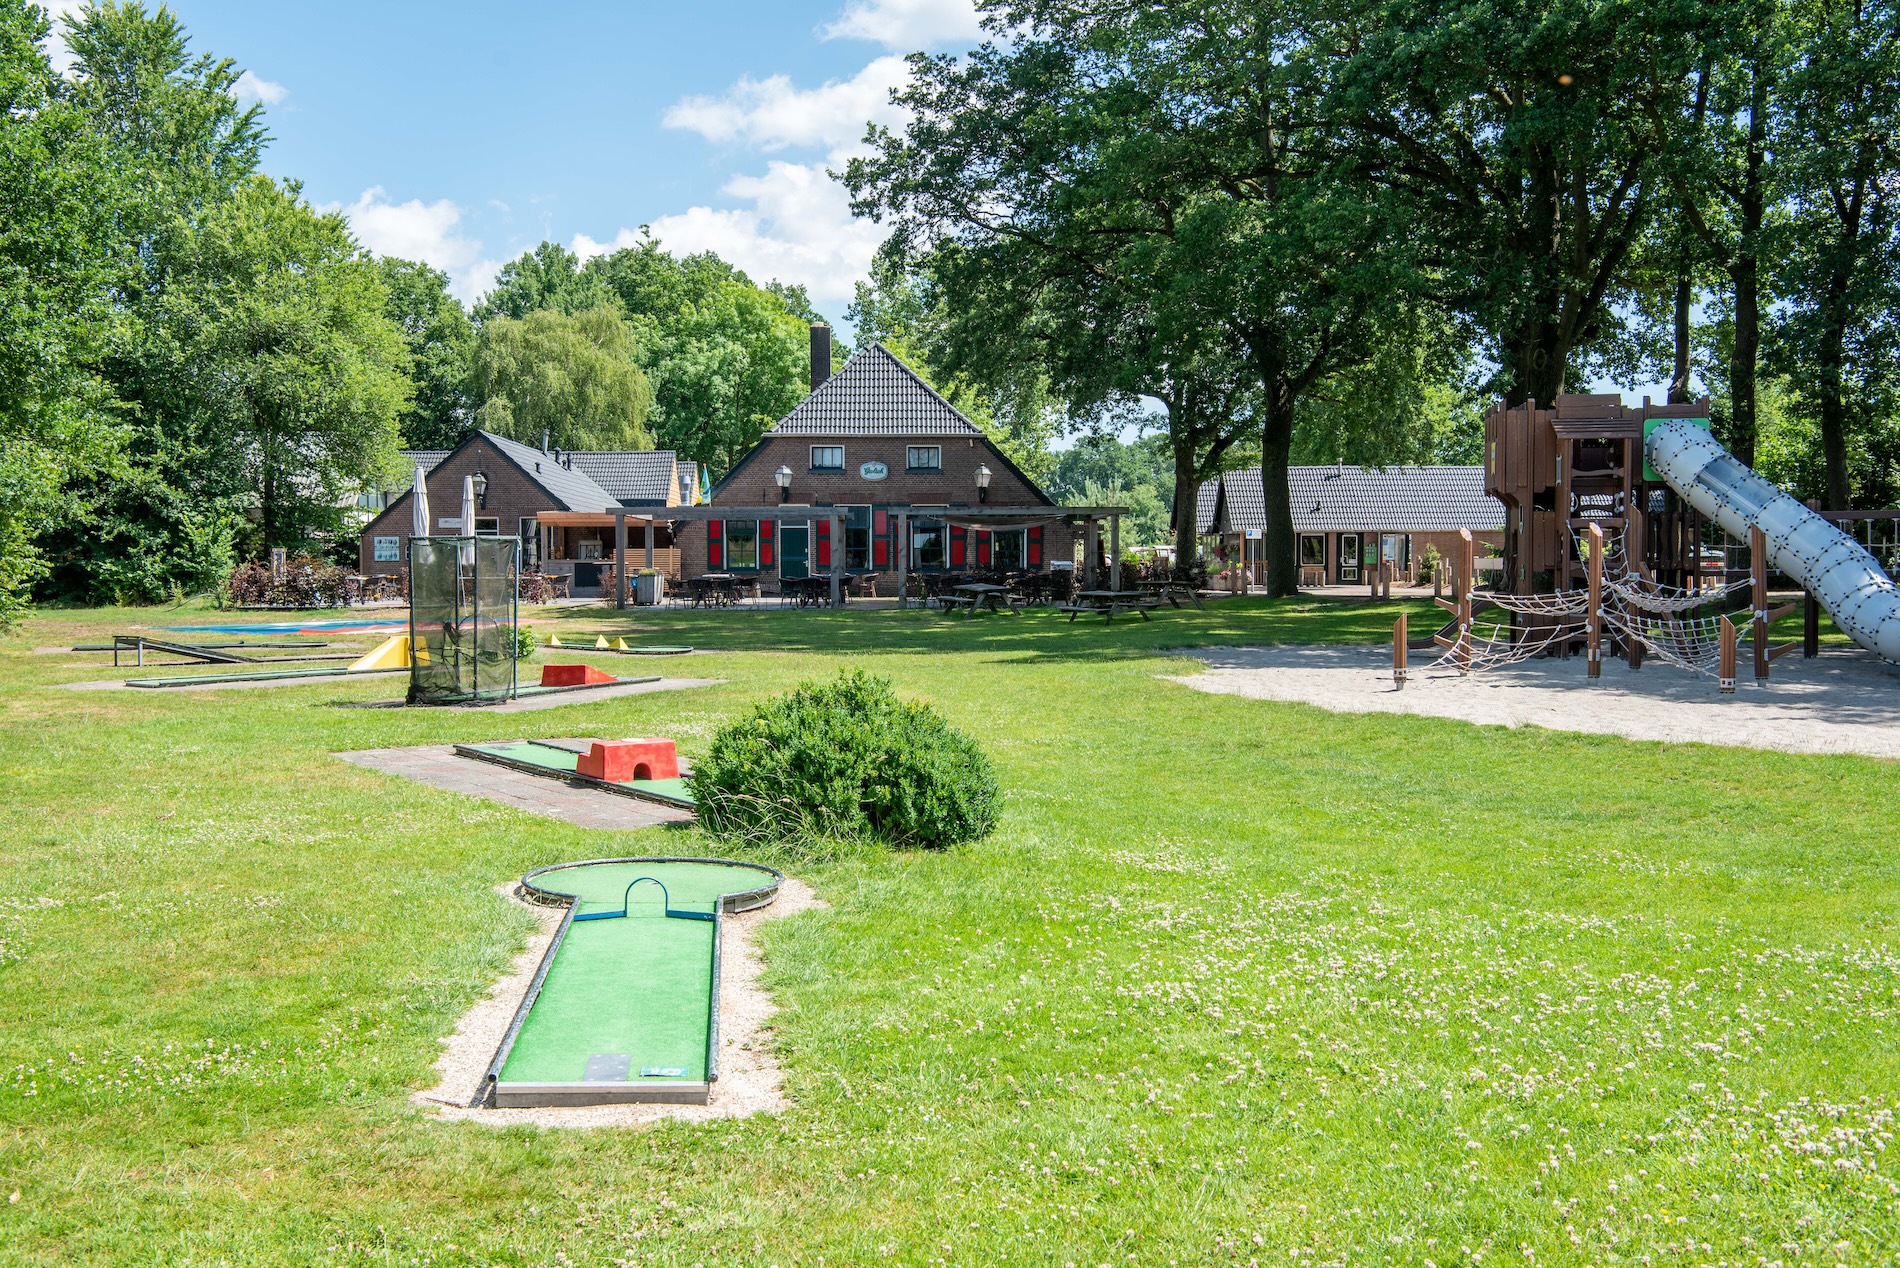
906, 25
799, 229
416, 230
251, 87
773, 114
59, 13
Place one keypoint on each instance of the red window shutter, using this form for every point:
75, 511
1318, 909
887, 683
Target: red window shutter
824, 543
715, 544
1035, 546
956, 546
983, 547
880, 549
766, 539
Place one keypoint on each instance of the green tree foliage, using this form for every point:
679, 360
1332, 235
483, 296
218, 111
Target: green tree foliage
1168, 155
441, 342
548, 277
1103, 470
1522, 140
571, 378
58, 257
727, 359
1839, 264
291, 367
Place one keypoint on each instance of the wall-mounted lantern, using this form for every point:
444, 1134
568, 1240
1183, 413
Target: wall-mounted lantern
783, 476
982, 484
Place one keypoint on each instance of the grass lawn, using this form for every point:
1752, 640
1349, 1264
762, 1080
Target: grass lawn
1234, 981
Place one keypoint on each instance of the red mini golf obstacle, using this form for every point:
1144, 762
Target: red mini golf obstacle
624, 761
574, 676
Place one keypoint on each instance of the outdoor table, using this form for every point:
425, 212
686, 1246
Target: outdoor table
1107, 603
807, 592
983, 595
713, 589
1173, 592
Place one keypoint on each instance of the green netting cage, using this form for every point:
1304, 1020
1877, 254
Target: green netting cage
462, 605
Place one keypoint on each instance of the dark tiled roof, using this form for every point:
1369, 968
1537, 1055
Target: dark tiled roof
1360, 499
638, 477
875, 394
424, 458
1206, 503
571, 487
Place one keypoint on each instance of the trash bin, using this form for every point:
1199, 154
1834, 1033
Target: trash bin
649, 589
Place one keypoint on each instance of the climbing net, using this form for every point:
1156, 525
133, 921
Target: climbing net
1664, 619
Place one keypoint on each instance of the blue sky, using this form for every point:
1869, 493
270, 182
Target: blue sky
465, 134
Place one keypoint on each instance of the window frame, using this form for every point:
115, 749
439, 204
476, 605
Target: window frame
813, 456
737, 531
914, 467
1021, 538
927, 529
1313, 537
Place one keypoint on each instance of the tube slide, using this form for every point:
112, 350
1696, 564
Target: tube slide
1834, 567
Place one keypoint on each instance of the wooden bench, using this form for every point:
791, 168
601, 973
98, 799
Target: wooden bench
1107, 611
951, 602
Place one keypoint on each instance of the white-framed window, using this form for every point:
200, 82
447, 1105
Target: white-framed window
827, 457
1312, 550
1009, 551
742, 545
487, 526
387, 550
929, 545
924, 458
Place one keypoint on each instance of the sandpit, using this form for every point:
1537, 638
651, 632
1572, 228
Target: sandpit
1840, 702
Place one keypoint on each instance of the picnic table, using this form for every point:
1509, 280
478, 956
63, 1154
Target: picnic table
713, 590
976, 596
1106, 603
1173, 592
806, 592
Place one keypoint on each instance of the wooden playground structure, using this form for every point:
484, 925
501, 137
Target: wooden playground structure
1601, 555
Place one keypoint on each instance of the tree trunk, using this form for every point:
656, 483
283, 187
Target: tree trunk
1745, 274
1829, 390
1186, 493
1537, 355
1685, 294
1276, 447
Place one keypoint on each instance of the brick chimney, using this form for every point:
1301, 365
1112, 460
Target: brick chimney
820, 355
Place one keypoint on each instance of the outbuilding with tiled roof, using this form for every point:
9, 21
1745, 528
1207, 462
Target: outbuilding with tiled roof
1347, 518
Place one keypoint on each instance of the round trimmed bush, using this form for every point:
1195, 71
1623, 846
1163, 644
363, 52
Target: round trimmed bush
846, 758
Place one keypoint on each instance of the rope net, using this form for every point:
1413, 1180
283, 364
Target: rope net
1664, 619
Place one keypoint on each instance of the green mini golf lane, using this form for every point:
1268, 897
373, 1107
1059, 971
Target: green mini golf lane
626, 1007
554, 757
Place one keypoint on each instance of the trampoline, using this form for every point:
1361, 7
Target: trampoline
559, 759
625, 1004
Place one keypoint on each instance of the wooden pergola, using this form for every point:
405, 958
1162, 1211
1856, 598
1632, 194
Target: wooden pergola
1090, 517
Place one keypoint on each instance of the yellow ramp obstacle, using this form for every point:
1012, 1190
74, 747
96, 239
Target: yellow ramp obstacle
554, 640
393, 653
601, 644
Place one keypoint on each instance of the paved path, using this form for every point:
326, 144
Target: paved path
438, 766
1840, 702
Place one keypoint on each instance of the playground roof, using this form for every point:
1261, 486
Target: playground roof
875, 394
1356, 500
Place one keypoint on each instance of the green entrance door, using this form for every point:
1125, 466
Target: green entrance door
794, 550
